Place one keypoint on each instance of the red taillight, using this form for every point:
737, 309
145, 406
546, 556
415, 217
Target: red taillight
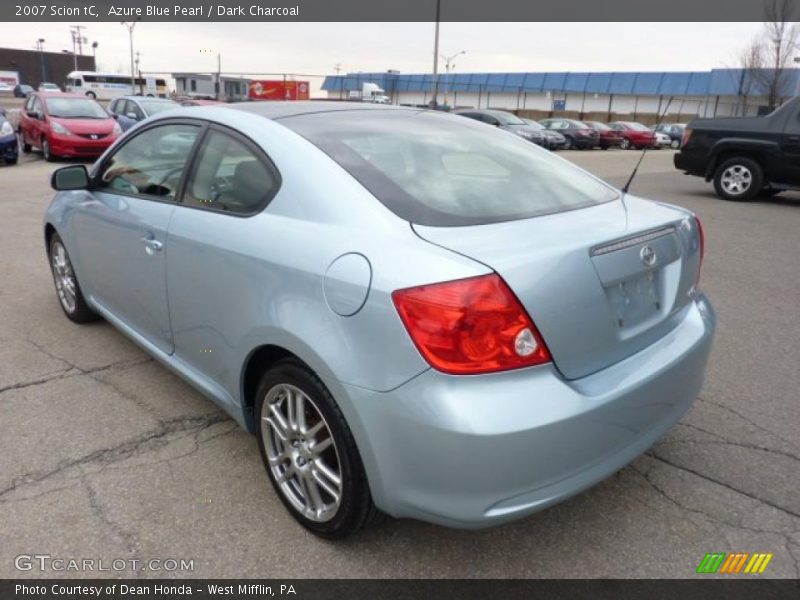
687, 134
702, 239
470, 326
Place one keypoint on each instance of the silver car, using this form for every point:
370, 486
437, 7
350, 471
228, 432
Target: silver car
415, 313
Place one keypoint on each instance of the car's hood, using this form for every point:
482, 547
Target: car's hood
86, 126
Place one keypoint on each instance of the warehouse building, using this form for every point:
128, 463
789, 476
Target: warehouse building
206, 85
604, 96
33, 67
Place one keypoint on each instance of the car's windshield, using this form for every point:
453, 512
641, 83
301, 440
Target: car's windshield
75, 108
507, 118
442, 170
152, 108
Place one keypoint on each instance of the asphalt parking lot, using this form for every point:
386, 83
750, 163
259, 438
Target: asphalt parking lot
106, 454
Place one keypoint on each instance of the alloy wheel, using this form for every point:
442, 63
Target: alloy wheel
736, 180
301, 452
64, 276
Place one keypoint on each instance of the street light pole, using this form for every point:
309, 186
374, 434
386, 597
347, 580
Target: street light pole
448, 64
130, 25
434, 101
40, 48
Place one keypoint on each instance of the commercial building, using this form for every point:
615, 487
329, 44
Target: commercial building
32, 67
204, 85
638, 95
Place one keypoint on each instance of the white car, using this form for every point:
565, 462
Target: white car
48, 87
662, 140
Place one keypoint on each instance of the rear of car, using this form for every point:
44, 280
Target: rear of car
608, 138
579, 342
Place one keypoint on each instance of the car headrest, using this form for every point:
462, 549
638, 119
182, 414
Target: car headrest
251, 182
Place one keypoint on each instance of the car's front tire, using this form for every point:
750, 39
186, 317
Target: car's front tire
309, 452
68, 289
625, 144
91, 95
675, 144
738, 178
47, 152
568, 143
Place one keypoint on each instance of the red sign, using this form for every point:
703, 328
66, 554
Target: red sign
279, 90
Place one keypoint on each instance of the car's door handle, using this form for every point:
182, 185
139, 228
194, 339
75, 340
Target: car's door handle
151, 245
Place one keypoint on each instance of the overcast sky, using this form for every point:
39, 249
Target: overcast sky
316, 47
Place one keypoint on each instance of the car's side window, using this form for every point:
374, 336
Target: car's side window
113, 106
29, 104
151, 163
38, 107
132, 107
229, 176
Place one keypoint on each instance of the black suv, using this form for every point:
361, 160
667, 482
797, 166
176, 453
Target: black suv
745, 156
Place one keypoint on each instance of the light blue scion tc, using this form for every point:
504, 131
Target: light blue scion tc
414, 312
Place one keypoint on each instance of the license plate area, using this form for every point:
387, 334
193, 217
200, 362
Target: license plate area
636, 300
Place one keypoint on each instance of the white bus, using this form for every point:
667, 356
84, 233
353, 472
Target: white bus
106, 86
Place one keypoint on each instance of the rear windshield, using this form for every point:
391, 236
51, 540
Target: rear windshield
152, 108
441, 170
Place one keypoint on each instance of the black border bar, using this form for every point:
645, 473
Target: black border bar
391, 10
402, 589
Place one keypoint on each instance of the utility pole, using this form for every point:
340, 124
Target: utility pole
449, 64
138, 72
40, 48
434, 101
130, 25
77, 38
338, 68
219, 74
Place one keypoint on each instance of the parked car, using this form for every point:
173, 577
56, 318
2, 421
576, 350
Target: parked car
129, 110
634, 135
378, 293
21, 90
48, 87
506, 121
674, 131
662, 140
9, 145
66, 125
552, 139
577, 133
745, 156
189, 101
609, 138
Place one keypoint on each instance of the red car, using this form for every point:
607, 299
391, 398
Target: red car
634, 135
66, 125
608, 137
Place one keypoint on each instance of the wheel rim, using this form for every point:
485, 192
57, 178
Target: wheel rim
675, 143
625, 144
64, 276
736, 179
301, 452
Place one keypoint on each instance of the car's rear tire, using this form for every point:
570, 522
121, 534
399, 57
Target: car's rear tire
738, 178
675, 144
91, 95
68, 289
325, 489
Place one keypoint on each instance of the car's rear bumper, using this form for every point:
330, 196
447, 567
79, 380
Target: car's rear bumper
688, 163
477, 451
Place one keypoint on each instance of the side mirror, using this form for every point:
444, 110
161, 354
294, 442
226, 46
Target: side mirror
72, 177
114, 115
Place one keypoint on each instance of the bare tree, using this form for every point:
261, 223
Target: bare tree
769, 56
751, 60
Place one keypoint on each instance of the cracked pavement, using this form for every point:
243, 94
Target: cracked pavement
106, 454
